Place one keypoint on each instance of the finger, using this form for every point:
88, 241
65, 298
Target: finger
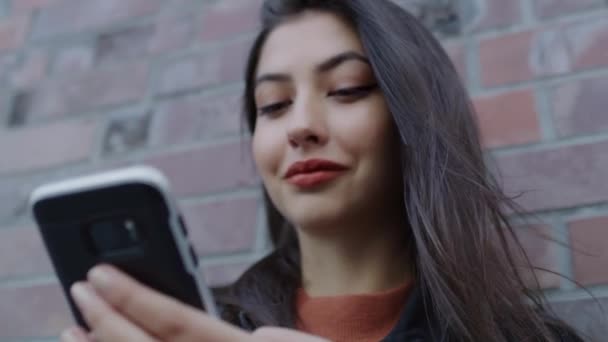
160, 315
75, 334
272, 334
106, 324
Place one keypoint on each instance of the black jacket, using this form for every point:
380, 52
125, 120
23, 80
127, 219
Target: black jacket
415, 325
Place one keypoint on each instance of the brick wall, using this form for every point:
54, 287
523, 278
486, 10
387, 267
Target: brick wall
89, 85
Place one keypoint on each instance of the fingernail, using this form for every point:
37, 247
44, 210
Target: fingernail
99, 277
80, 292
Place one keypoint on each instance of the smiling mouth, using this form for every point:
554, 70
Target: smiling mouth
313, 172
312, 179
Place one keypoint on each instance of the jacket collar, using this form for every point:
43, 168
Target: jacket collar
414, 324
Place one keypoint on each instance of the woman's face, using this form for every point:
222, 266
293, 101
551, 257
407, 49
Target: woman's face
323, 142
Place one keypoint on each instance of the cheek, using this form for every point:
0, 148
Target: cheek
367, 133
266, 151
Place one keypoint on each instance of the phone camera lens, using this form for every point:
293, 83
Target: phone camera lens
131, 230
114, 235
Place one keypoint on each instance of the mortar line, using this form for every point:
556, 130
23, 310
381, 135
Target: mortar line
547, 23
547, 81
29, 281
528, 13
550, 146
564, 254
545, 114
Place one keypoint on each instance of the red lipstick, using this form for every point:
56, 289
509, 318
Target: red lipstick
313, 172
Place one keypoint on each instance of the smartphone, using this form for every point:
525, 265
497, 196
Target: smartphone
125, 218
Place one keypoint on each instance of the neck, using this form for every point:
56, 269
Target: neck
363, 258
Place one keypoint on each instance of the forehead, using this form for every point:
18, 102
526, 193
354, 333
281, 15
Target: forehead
307, 40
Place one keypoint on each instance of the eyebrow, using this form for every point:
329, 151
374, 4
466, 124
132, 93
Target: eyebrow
338, 59
324, 67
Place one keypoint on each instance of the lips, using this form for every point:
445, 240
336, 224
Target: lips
313, 172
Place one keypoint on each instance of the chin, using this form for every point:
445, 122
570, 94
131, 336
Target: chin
316, 216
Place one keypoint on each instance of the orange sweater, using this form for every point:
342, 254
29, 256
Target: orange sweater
351, 318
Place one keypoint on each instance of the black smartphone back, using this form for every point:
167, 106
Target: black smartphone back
124, 218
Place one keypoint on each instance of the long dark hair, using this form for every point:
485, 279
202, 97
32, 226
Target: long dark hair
461, 240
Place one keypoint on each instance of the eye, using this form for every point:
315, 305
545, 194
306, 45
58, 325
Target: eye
353, 92
273, 108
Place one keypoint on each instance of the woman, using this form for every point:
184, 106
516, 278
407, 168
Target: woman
386, 223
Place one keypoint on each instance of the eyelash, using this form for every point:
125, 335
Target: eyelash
274, 107
353, 93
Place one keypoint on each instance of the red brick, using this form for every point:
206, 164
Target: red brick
79, 15
234, 58
33, 312
522, 56
562, 48
579, 107
508, 118
172, 32
222, 227
553, 8
22, 253
557, 178
13, 32
46, 146
589, 241
87, 91
208, 169
223, 19
188, 73
587, 315
224, 274
123, 44
505, 59
456, 51
109, 86
167, 34
496, 14
199, 117
588, 41
542, 253
225, 65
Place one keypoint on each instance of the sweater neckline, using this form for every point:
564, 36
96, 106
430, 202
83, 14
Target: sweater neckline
355, 317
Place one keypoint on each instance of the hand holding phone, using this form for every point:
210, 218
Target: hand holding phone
152, 317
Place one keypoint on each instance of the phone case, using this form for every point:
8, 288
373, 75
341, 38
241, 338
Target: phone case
125, 218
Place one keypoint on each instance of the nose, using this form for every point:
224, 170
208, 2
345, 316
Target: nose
307, 125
